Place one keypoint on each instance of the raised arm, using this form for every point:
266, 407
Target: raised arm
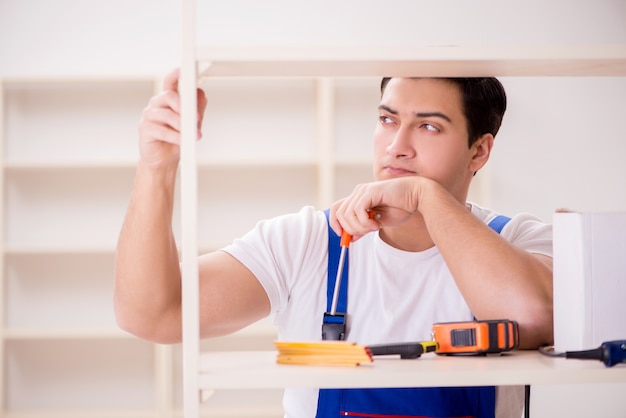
147, 296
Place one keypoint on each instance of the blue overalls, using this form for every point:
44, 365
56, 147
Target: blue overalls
437, 402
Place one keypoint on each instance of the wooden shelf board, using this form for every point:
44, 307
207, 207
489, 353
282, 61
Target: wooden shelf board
425, 61
22, 334
37, 250
258, 369
68, 165
79, 414
36, 80
131, 164
226, 163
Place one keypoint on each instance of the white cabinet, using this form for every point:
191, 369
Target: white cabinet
69, 152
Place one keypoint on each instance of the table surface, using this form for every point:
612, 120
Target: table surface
258, 369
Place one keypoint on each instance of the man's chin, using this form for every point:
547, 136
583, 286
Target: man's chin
387, 175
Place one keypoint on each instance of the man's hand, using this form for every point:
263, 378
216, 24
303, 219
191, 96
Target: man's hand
159, 127
395, 200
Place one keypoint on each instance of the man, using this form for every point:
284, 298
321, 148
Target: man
431, 257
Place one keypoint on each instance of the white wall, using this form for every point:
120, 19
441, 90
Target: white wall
562, 143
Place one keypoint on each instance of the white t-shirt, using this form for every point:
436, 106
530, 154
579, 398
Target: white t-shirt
393, 295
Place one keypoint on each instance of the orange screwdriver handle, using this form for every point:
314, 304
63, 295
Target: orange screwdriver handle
346, 238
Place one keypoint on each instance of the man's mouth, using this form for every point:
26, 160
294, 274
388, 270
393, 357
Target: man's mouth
398, 171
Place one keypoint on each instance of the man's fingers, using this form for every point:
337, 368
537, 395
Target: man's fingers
202, 102
165, 99
170, 82
163, 116
163, 133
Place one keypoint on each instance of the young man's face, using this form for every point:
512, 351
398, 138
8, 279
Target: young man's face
422, 131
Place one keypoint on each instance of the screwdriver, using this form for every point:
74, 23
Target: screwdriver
610, 353
405, 350
346, 239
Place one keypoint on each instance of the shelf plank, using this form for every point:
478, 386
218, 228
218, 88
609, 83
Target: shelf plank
15, 334
69, 165
79, 414
424, 61
215, 162
258, 369
22, 334
70, 250
37, 250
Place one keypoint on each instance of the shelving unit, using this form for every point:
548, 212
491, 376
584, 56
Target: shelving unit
69, 150
67, 167
199, 62
68, 155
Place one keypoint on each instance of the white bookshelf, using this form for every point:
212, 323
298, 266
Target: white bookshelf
207, 371
67, 167
69, 150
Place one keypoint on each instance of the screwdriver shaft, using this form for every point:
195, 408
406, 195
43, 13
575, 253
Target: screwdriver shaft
342, 258
345, 243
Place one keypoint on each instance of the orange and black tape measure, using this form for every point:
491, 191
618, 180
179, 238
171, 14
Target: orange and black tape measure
476, 337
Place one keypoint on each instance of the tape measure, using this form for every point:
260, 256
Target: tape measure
476, 337
449, 338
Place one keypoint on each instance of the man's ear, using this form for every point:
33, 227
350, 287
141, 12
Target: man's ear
480, 152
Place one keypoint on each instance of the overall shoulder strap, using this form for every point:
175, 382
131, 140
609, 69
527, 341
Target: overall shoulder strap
498, 223
333, 327
472, 401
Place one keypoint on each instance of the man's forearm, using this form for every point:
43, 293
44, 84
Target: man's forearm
147, 273
497, 279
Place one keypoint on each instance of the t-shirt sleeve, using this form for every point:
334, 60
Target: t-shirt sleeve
529, 233
279, 250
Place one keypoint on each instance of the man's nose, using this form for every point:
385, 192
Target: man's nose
401, 145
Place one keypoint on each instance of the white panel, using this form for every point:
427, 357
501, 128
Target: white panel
410, 22
59, 292
79, 375
85, 37
578, 401
90, 121
66, 209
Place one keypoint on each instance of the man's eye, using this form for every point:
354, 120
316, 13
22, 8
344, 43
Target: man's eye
429, 127
385, 120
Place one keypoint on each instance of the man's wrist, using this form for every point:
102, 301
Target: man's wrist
163, 175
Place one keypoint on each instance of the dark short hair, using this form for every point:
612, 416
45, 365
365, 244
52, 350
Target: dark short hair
484, 104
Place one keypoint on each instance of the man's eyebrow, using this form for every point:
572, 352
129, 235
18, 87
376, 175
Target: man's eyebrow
387, 109
418, 114
433, 114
